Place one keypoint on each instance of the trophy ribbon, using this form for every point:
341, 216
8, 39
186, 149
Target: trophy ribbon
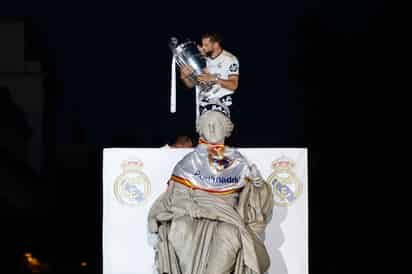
173, 88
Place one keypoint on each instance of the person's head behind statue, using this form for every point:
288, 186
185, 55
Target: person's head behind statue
182, 141
214, 124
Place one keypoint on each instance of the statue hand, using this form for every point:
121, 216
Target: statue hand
255, 176
254, 172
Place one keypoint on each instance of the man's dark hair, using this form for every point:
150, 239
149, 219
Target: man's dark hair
213, 36
180, 139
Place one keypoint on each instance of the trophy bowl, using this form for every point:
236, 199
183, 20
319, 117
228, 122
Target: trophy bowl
187, 54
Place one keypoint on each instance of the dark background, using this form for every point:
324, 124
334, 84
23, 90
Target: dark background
105, 74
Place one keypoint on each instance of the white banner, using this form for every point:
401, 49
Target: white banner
126, 248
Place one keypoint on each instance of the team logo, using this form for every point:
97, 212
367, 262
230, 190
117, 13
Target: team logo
233, 67
132, 187
219, 163
286, 186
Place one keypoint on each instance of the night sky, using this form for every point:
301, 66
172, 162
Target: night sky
116, 71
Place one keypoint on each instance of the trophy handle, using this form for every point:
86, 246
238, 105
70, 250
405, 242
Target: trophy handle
173, 43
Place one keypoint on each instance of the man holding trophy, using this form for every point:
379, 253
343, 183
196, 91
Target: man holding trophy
219, 79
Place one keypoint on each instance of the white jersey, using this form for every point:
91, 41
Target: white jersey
222, 66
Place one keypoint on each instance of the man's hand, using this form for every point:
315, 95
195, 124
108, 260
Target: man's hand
207, 78
185, 72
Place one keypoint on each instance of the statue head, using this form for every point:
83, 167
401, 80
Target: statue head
214, 124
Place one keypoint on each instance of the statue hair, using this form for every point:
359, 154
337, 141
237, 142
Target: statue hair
228, 125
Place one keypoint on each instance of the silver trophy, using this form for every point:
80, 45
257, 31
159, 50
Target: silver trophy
187, 54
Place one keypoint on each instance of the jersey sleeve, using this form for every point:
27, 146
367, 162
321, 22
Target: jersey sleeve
232, 66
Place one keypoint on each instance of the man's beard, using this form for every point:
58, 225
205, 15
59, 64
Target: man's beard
209, 53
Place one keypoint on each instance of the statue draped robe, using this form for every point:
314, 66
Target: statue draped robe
212, 217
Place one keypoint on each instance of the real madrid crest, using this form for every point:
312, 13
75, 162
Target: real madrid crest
132, 186
233, 67
286, 186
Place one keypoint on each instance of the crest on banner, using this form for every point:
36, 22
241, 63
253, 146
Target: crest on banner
132, 186
286, 186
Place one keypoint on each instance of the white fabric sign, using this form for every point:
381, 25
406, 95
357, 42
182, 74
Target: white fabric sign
126, 248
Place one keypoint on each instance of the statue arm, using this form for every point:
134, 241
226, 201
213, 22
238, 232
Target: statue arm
255, 177
256, 202
159, 207
261, 208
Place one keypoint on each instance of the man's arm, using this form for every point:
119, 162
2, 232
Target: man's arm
231, 83
184, 75
188, 82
